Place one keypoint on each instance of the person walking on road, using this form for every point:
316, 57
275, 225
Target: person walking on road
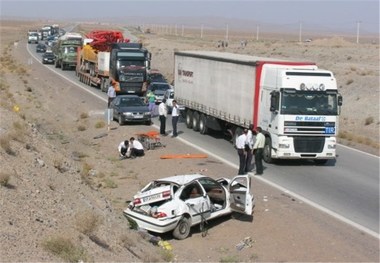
240, 144
111, 93
151, 101
175, 116
162, 112
258, 150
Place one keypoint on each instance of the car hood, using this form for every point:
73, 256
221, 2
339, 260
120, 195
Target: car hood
159, 92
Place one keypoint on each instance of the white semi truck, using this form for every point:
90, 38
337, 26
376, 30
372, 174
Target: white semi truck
295, 103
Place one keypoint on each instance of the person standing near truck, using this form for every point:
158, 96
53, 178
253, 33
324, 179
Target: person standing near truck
251, 138
258, 150
151, 101
175, 116
162, 112
111, 93
240, 145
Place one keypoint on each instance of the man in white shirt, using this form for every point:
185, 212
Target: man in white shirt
111, 93
137, 148
258, 150
175, 116
124, 149
240, 143
162, 112
250, 142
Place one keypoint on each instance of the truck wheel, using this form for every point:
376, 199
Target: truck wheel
56, 64
267, 155
63, 66
196, 121
189, 119
182, 230
202, 124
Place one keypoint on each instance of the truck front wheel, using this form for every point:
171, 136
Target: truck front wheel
189, 119
267, 155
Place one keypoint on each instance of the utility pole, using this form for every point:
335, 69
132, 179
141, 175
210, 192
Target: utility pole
227, 33
300, 33
257, 32
357, 31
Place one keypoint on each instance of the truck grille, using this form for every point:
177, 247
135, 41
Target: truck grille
309, 144
310, 128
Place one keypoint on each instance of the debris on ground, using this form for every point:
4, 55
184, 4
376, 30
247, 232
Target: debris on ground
246, 242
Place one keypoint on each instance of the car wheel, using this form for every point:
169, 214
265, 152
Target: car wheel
202, 124
196, 121
267, 155
121, 122
182, 230
189, 119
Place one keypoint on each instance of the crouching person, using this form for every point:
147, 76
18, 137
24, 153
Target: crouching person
124, 149
137, 148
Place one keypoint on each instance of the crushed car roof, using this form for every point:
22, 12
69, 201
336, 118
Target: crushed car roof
181, 179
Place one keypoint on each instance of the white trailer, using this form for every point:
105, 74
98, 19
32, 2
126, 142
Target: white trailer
295, 103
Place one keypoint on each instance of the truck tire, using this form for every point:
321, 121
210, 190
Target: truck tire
63, 66
267, 154
202, 124
189, 119
196, 121
56, 63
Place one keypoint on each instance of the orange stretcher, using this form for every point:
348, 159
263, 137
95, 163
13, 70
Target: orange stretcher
179, 156
150, 140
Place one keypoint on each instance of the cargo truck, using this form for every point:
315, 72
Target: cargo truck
66, 50
107, 56
33, 36
295, 103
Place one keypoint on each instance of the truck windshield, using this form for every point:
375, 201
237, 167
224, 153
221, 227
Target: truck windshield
127, 63
309, 103
67, 50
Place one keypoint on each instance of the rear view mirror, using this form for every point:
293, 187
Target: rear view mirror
274, 101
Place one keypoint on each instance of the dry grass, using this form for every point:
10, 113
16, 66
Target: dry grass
100, 124
4, 179
87, 222
65, 248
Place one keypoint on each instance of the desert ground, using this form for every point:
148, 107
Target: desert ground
63, 187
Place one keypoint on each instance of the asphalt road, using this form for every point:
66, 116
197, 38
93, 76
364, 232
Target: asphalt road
347, 188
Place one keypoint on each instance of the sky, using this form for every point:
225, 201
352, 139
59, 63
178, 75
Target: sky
348, 15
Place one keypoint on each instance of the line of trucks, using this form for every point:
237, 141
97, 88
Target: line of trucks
294, 102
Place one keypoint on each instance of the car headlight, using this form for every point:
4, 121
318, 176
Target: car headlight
129, 114
147, 113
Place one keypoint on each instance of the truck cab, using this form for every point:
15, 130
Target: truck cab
129, 66
300, 115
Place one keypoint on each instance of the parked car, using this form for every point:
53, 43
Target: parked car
40, 48
130, 108
179, 202
48, 58
159, 89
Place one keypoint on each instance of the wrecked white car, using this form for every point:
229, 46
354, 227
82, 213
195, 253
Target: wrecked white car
179, 202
